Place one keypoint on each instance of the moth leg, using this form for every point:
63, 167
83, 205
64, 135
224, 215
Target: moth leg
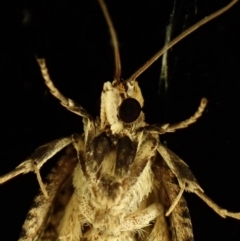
180, 169
66, 102
219, 210
185, 177
162, 129
180, 225
189, 121
142, 218
43, 218
89, 124
160, 230
37, 159
188, 182
175, 202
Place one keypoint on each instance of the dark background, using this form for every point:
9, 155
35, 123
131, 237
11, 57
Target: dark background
74, 39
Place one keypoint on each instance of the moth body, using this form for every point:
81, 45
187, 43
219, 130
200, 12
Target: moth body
114, 181
117, 181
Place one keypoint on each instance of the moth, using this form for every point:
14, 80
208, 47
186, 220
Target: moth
118, 182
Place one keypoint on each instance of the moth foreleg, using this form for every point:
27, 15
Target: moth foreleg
43, 218
188, 182
185, 177
189, 121
162, 129
37, 159
181, 170
66, 102
219, 210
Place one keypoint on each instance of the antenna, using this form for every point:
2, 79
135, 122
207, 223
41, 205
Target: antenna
178, 38
114, 40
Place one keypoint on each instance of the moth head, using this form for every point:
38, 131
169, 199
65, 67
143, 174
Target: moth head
121, 104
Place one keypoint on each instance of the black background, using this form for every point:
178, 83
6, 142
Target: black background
74, 39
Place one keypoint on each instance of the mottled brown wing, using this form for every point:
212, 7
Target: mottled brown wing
45, 214
179, 219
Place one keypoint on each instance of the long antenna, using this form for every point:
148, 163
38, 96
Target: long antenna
178, 38
114, 40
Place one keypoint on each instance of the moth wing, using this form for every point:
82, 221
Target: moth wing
179, 219
45, 215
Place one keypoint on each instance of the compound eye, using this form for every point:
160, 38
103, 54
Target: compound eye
129, 110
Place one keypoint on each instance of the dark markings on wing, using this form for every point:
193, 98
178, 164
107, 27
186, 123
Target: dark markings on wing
179, 220
48, 150
100, 147
44, 216
182, 167
79, 144
126, 152
141, 160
